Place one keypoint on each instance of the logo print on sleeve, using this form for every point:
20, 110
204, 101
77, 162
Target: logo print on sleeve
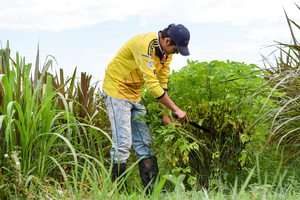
151, 46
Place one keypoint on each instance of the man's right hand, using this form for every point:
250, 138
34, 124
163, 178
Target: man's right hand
181, 116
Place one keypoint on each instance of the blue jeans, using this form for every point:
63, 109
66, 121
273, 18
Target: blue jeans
125, 131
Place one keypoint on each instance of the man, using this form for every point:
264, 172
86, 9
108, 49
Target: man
144, 59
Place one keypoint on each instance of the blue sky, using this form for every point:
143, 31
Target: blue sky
87, 34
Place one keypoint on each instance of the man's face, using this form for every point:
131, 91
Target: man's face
171, 50
167, 48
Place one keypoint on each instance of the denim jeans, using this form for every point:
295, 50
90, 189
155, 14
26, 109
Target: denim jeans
125, 131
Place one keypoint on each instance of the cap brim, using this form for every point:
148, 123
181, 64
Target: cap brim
183, 50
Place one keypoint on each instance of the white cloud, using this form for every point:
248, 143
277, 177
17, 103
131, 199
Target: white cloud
231, 47
57, 15
269, 32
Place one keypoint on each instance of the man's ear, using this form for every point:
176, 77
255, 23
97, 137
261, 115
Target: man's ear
168, 41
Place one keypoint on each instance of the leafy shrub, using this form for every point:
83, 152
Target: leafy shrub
208, 93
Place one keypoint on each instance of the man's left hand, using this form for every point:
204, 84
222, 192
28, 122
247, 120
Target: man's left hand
167, 120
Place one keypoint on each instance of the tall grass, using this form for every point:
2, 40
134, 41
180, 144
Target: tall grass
283, 116
50, 129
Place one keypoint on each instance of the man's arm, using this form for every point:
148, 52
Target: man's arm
166, 101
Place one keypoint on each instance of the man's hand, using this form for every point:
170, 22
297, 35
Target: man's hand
166, 101
181, 116
167, 120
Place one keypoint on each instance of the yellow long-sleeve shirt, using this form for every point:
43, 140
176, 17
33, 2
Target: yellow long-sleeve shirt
140, 61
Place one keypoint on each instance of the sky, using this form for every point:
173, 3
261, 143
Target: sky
87, 34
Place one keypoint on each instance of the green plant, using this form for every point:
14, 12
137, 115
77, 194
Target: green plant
40, 117
209, 93
283, 112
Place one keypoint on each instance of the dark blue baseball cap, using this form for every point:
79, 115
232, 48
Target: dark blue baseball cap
181, 35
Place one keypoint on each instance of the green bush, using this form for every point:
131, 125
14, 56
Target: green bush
209, 93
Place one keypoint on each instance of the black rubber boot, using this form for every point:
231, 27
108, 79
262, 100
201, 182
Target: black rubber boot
148, 172
116, 172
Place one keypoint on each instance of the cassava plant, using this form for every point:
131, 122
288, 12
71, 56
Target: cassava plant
208, 93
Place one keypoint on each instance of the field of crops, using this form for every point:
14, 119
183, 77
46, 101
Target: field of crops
55, 134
